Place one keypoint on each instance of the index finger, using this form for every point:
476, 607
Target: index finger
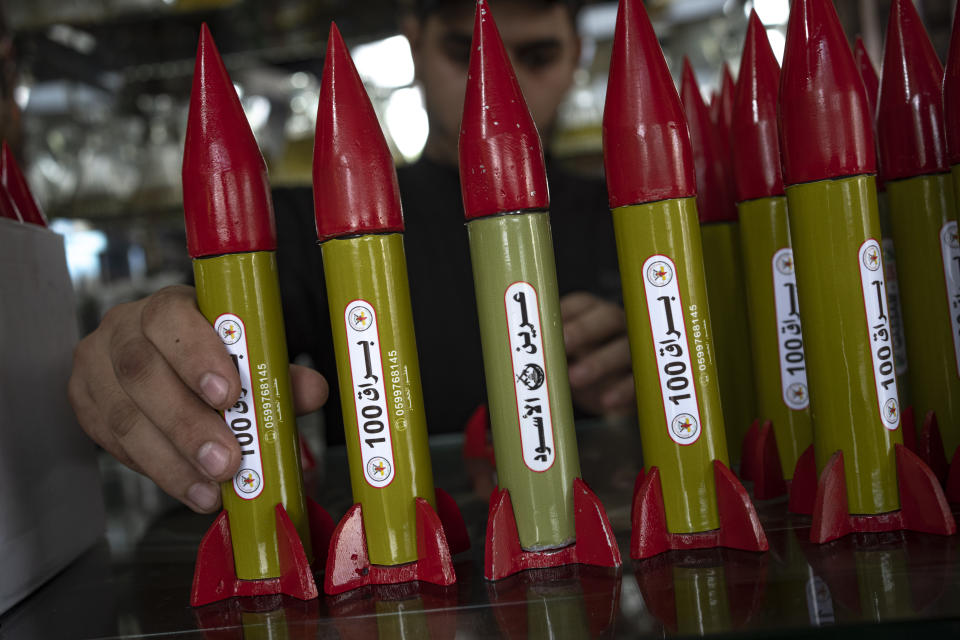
576, 303
174, 325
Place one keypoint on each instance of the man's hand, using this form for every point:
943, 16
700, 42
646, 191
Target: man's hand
598, 354
147, 385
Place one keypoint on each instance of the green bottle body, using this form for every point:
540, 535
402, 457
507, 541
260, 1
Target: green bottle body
780, 381
924, 222
848, 343
525, 364
240, 295
380, 391
673, 354
724, 270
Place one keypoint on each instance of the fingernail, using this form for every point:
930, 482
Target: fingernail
204, 495
215, 388
214, 458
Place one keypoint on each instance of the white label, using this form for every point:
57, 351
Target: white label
893, 298
793, 366
950, 250
242, 417
878, 328
529, 375
668, 328
369, 395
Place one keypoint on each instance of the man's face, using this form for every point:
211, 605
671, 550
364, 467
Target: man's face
543, 47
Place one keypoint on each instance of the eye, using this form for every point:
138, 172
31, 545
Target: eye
456, 48
536, 56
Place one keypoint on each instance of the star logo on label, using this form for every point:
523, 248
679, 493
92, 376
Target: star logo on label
659, 274
684, 426
951, 237
247, 480
871, 259
360, 317
785, 264
378, 469
891, 411
797, 393
229, 331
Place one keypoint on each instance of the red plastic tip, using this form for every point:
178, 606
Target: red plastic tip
825, 125
869, 75
16, 186
646, 143
226, 196
355, 188
728, 91
756, 156
501, 160
951, 94
910, 106
714, 202
8, 209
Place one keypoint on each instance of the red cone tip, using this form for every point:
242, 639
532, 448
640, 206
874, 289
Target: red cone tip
728, 91
226, 196
910, 106
756, 156
646, 144
825, 125
8, 208
714, 201
868, 73
872, 85
714, 106
501, 160
16, 185
951, 94
355, 188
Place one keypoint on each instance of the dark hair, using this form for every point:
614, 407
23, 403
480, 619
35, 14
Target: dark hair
425, 8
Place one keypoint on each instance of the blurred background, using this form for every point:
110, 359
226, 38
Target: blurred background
103, 86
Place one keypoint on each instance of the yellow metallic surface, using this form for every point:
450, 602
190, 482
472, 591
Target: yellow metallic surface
373, 268
764, 230
829, 221
919, 209
724, 270
670, 228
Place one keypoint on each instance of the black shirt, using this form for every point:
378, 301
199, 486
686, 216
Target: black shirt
440, 275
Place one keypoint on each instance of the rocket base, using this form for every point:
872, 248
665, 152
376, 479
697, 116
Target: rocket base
923, 506
744, 581
439, 533
747, 459
740, 527
476, 434
595, 545
761, 458
803, 487
930, 448
215, 577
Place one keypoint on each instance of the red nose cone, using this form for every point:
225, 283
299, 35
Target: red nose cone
501, 160
825, 125
728, 91
226, 196
355, 188
16, 186
756, 156
646, 144
7, 207
869, 75
910, 109
951, 94
714, 202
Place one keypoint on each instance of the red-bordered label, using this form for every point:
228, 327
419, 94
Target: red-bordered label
369, 393
242, 416
875, 306
950, 252
672, 348
793, 365
524, 327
